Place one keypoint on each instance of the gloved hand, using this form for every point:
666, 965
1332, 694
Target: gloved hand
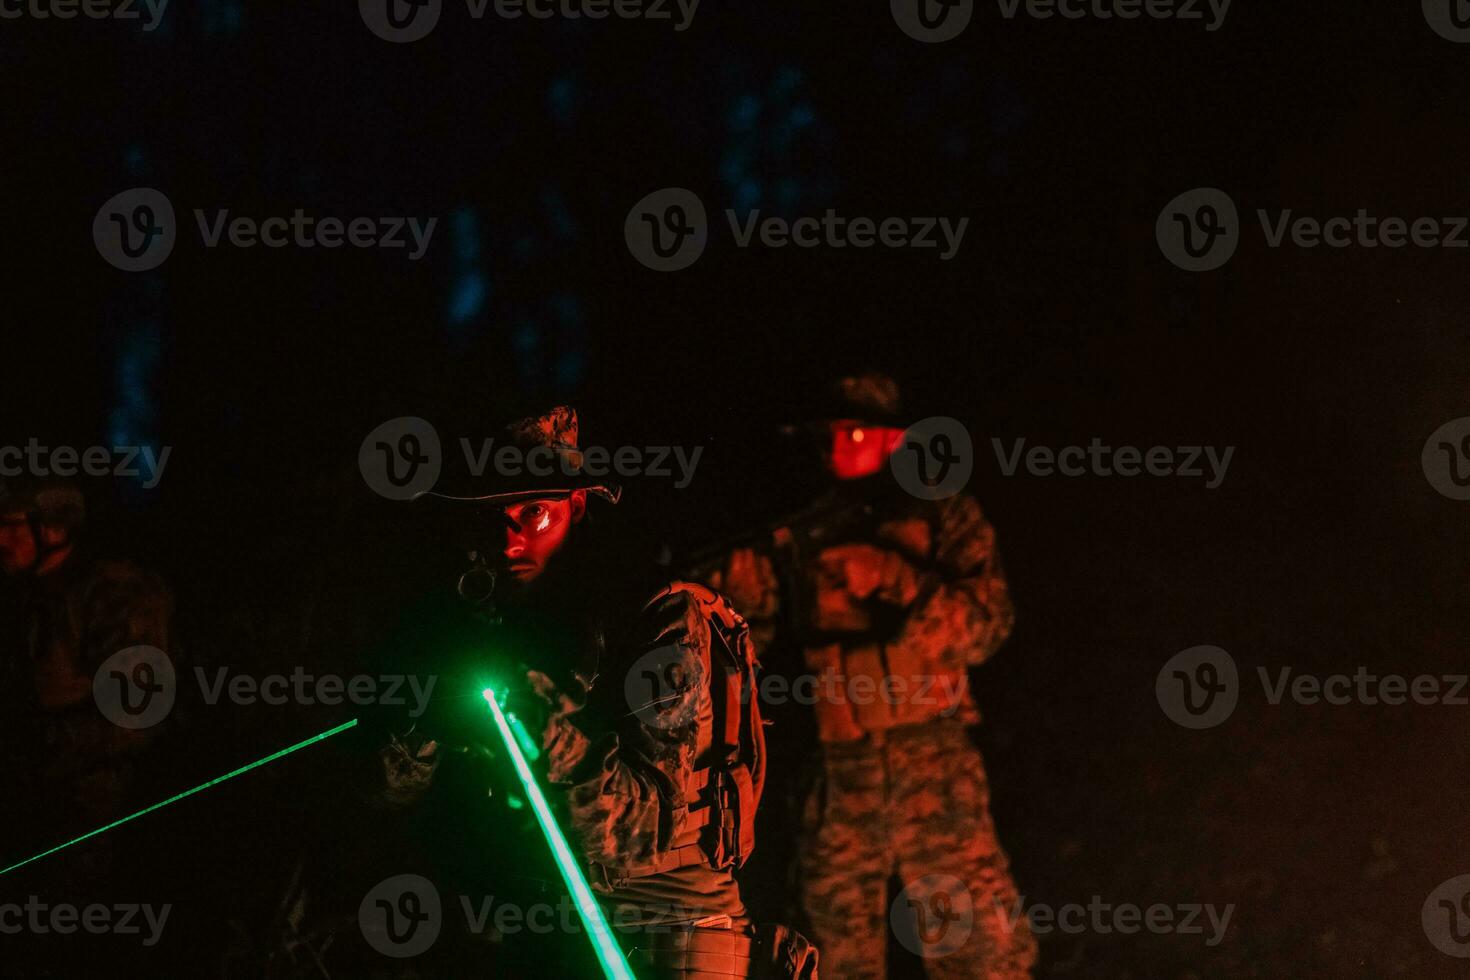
869, 571
455, 714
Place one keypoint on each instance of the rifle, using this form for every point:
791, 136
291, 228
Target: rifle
820, 524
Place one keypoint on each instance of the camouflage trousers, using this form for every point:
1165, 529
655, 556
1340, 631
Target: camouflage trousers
916, 806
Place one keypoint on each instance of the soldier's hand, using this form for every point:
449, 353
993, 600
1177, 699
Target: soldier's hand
748, 581
863, 568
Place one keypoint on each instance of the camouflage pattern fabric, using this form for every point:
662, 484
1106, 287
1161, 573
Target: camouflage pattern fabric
918, 805
621, 779
75, 619
920, 593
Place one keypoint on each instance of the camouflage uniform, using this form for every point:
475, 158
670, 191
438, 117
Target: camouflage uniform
639, 693
65, 768
76, 767
902, 789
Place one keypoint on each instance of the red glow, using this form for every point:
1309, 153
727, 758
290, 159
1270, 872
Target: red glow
859, 451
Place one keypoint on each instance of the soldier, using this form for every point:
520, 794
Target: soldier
637, 691
891, 600
66, 767
73, 611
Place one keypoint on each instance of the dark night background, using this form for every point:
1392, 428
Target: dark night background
1059, 320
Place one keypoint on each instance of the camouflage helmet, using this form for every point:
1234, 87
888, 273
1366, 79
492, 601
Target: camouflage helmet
553, 432
49, 500
869, 397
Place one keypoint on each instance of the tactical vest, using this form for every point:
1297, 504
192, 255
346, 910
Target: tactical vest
865, 684
852, 700
725, 788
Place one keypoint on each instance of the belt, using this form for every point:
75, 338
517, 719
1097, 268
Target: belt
697, 953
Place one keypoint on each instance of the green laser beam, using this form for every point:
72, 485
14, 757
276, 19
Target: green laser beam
188, 792
608, 953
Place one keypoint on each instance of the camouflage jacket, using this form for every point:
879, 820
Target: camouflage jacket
936, 604
77, 765
621, 748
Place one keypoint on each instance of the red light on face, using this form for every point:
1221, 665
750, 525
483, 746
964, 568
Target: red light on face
535, 531
859, 451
